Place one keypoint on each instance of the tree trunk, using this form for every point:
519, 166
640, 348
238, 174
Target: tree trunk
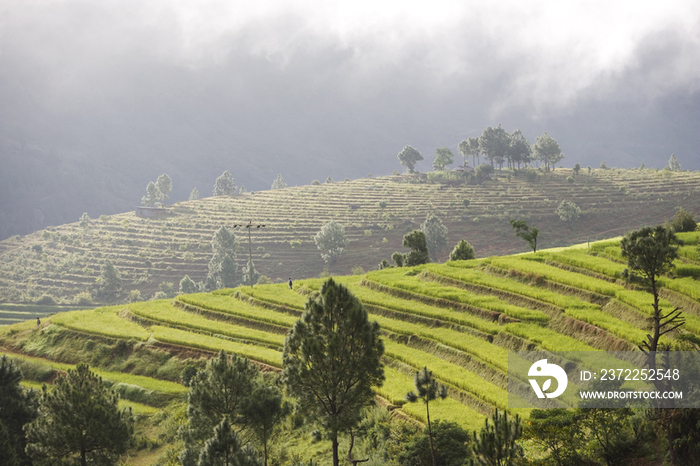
334, 441
430, 434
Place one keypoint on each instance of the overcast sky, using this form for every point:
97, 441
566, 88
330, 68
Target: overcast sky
279, 62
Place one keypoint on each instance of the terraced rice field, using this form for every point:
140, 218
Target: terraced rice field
460, 319
64, 261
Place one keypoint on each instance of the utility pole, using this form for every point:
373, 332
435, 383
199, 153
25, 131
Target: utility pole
249, 226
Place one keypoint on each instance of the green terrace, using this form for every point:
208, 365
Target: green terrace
459, 319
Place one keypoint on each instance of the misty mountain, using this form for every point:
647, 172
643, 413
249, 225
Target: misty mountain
96, 100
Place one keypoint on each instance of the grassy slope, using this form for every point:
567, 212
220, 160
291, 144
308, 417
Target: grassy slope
443, 316
149, 252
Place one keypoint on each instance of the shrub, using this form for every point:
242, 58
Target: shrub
382, 204
683, 221
83, 298
466, 203
358, 270
316, 183
37, 248
264, 280
46, 300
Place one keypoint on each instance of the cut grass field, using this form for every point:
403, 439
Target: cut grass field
441, 316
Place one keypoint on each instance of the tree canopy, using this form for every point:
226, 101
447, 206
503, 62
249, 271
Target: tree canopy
443, 157
408, 158
164, 185
435, 235
332, 359
225, 185
417, 242
519, 150
331, 241
494, 143
194, 194
547, 151
110, 280
223, 269
529, 234
79, 423
568, 212
279, 182
17, 408
673, 164
462, 251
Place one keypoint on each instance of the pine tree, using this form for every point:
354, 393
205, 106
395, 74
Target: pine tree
263, 411
217, 393
673, 164
84, 220
151, 196
223, 270
568, 212
428, 390
331, 241
463, 251
408, 158
435, 235
496, 444
279, 182
417, 242
110, 279
225, 185
224, 449
332, 359
17, 408
529, 234
164, 185
443, 157
187, 285
246, 275
194, 195
652, 251
79, 423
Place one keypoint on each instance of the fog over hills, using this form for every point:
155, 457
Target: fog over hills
99, 98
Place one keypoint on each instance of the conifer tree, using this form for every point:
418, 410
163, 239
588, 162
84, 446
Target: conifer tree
110, 279
529, 234
224, 449
264, 410
427, 390
151, 196
331, 241
194, 195
435, 235
279, 182
496, 444
249, 270
418, 244
408, 158
79, 423
443, 157
217, 393
17, 407
84, 220
225, 185
187, 285
223, 270
673, 164
332, 359
463, 251
651, 251
164, 185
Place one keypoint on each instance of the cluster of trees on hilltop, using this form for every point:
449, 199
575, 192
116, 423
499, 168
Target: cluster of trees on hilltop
497, 146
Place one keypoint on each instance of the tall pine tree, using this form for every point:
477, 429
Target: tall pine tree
79, 423
332, 359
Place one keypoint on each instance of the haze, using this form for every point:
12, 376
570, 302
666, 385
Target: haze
98, 98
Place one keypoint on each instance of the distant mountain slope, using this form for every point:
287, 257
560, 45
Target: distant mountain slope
65, 260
